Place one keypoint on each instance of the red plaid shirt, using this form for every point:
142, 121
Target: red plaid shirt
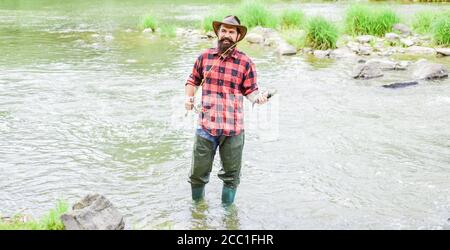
223, 90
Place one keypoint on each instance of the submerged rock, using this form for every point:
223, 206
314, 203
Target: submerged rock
428, 71
93, 212
285, 49
420, 50
443, 51
400, 84
366, 71
385, 64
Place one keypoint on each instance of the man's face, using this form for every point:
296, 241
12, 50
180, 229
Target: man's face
228, 35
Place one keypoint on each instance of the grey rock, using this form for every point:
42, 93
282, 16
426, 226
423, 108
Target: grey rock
273, 41
254, 38
428, 71
364, 50
148, 30
341, 53
365, 38
443, 51
321, 53
407, 42
420, 50
391, 37
402, 28
382, 64
366, 71
307, 50
93, 212
285, 49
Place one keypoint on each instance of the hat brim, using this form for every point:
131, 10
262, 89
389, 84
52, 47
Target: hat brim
242, 29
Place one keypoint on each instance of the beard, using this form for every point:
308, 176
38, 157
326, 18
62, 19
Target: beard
224, 46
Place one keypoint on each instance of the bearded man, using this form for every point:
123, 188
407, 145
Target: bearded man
226, 75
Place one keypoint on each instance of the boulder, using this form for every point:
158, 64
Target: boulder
254, 38
365, 38
420, 50
364, 50
407, 42
366, 71
341, 53
382, 64
428, 71
93, 212
391, 37
285, 49
148, 30
321, 53
273, 41
402, 29
443, 51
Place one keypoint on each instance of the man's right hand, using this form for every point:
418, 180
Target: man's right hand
189, 102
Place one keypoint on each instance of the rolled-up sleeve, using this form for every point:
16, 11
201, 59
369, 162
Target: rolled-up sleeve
249, 80
195, 78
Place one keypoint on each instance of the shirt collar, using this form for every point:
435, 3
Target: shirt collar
234, 52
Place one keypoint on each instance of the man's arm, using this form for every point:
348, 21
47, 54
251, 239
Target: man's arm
194, 80
250, 87
189, 97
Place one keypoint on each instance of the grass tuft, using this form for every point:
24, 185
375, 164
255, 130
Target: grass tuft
321, 34
149, 22
292, 19
365, 20
50, 221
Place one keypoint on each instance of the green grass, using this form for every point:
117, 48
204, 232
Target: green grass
423, 21
441, 30
149, 22
254, 13
365, 20
291, 19
294, 37
50, 221
321, 34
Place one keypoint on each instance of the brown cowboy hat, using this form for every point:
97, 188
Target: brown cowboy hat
231, 21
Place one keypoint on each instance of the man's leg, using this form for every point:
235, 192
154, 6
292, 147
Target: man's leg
230, 149
202, 161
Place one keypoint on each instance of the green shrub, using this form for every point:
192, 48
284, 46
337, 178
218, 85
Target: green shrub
149, 22
365, 20
441, 30
292, 19
321, 34
254, 13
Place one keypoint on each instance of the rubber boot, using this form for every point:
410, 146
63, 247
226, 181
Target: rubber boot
198, 193
228, 195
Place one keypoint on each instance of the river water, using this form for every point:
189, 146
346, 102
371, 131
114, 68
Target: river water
88, 103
